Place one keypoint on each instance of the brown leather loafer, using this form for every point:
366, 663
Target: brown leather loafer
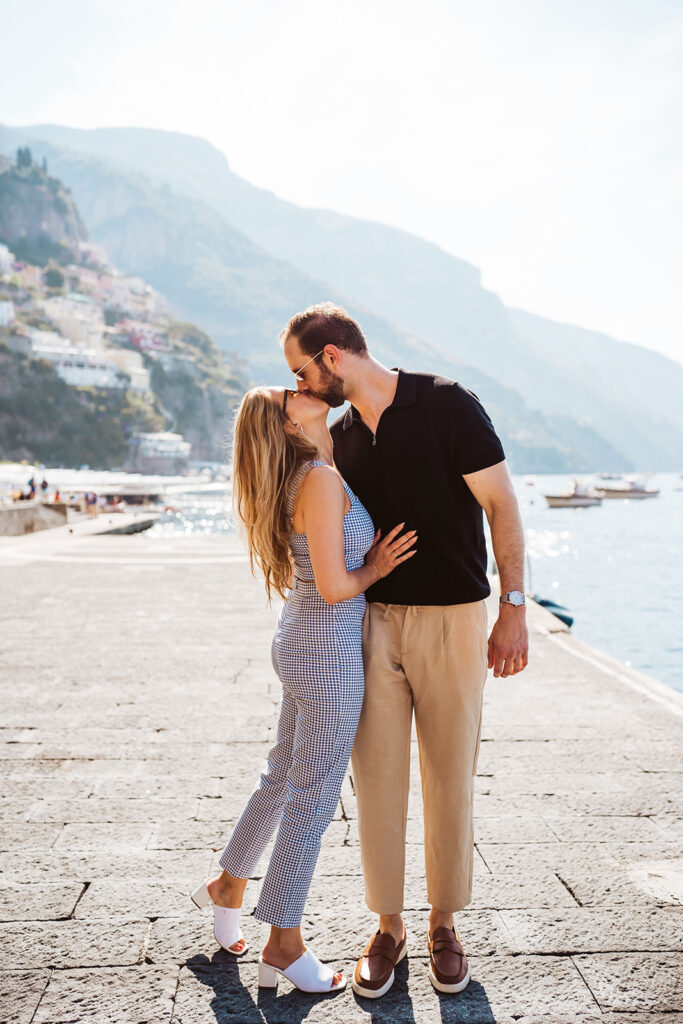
374, 973
448, 967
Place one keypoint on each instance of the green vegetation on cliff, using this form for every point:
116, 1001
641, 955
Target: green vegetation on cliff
43, 419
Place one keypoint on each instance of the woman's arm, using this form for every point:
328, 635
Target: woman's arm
321, 502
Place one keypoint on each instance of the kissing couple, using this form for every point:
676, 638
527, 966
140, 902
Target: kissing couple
372, 532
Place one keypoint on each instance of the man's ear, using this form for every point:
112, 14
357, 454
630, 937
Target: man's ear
334, 355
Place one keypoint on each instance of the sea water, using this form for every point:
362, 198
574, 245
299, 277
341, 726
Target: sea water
617, 567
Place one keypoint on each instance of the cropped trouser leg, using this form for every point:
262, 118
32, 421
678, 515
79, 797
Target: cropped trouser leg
430, 660
300, 790
263, 811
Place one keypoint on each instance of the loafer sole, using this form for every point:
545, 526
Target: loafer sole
441, 986
376, 993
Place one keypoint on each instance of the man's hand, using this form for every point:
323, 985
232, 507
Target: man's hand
509, 642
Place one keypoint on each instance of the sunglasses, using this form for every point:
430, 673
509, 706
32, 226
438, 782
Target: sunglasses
299, 373
287, 393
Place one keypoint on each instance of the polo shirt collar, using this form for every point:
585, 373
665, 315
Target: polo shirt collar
406, 394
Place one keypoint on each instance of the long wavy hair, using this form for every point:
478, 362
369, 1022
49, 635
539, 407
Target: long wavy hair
265, 458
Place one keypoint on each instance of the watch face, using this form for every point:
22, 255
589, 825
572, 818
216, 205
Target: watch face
516, 597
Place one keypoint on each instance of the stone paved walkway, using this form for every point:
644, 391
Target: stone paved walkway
137, 704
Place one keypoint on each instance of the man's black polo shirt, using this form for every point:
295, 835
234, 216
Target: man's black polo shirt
434, 431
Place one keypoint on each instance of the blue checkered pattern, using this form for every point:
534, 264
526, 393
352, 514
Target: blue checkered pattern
316, 652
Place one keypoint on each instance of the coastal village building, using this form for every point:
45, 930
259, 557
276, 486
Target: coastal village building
131, 364
145, 337
163, 453
82, 367
83, 279
78, 318
28, 276
86, 353
6, 261
6, 313
45, 339
131, 295
93, 254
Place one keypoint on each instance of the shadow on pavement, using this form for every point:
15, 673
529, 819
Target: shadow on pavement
233, 1001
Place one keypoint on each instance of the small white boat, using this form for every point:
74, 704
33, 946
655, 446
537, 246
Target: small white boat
581, 496
628, 487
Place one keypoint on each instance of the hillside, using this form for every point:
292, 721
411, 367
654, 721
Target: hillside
58, 401
198, 390
238, 261
216, 277
43, 419
619, 389
559, 369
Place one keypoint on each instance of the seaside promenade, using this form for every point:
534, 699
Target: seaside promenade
137, 703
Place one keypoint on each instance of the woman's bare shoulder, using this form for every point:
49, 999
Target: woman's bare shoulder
321, 481
321, 490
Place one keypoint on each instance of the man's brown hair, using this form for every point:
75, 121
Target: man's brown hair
325, 324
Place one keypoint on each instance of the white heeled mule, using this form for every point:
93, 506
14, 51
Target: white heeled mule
307, 974
226, 921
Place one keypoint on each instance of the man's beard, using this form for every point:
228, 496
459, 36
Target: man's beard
331, 389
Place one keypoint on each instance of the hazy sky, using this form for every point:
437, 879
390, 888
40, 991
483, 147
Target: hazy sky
540, 139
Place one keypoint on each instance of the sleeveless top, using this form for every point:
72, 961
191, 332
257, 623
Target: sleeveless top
359, 531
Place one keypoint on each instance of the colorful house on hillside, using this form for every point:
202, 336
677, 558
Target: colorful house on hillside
144, 337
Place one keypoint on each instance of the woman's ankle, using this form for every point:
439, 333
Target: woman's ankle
228, 891
283, 947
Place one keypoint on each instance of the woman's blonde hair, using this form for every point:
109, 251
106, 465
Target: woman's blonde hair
265, 458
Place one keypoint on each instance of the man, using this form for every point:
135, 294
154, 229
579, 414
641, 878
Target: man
419, 449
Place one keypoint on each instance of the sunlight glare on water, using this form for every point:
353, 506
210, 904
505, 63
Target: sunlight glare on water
618, 567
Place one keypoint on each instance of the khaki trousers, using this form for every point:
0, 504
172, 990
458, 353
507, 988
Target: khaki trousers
430, 660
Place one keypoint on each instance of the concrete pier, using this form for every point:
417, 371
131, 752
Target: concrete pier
137, 705
30, 516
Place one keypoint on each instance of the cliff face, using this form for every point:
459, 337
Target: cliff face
38, 217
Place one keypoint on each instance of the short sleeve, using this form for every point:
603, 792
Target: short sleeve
475, 442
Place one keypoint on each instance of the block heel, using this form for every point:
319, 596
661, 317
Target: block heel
200, 897
267, 977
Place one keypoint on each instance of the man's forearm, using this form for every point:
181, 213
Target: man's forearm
507, 537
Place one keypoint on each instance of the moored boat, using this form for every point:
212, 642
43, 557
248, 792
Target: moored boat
581, 496
628, 487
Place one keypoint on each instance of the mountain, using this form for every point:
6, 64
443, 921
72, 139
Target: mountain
238, 261
41, 417
38, 218
618, 389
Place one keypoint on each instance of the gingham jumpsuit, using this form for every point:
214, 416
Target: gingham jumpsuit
316, 652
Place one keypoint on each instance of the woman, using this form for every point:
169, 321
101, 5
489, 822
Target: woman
314, 543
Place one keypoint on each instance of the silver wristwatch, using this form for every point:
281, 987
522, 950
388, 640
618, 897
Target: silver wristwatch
515, 597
